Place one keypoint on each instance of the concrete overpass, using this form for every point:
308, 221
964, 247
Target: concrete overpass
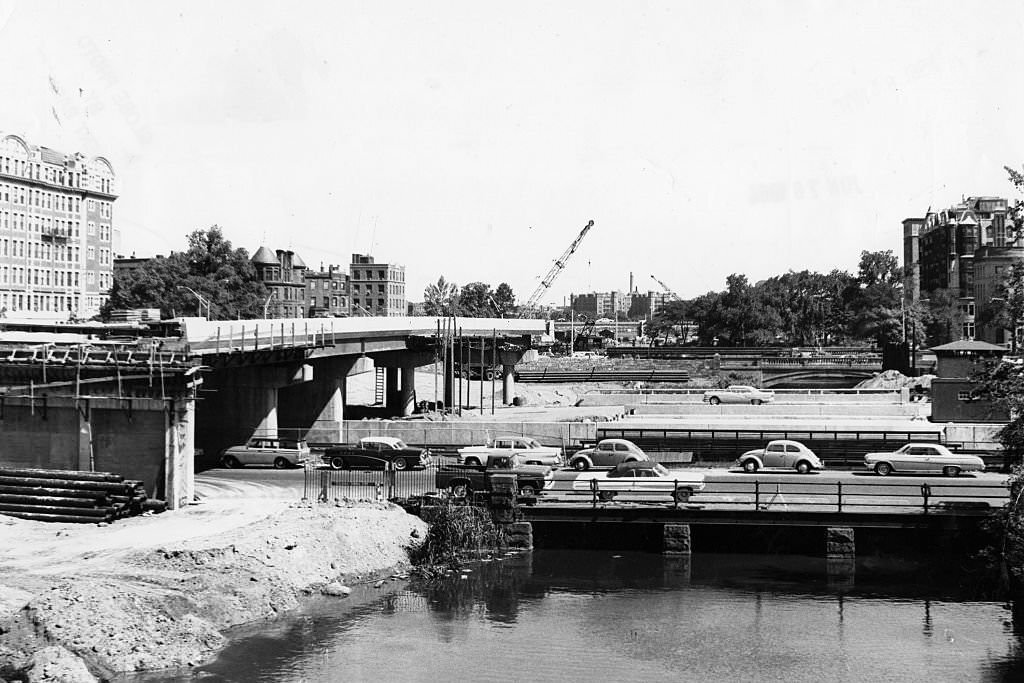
142, 406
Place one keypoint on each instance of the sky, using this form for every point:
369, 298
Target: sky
474, 140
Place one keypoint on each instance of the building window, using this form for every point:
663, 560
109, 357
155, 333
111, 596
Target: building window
968, 330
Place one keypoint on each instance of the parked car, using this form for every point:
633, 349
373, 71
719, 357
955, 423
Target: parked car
607, 453
781, 454
738, 393
531, 451
471, 371
281, 453
640, 479
915, 458
376, 452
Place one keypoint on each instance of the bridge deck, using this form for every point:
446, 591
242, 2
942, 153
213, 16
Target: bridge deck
692, 514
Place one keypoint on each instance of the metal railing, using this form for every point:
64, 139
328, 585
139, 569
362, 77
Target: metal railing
817, 496
595, 375
323, 484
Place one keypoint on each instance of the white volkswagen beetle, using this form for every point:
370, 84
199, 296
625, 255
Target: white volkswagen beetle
781, 454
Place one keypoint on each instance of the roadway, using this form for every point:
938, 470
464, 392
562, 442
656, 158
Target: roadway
724, 489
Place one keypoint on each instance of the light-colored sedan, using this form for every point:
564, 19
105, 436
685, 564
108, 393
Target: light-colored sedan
917, 458
781, 454
738, 393
529, 449
638, 479
281, 453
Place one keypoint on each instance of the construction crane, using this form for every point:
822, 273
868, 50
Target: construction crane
557, 268
675, 297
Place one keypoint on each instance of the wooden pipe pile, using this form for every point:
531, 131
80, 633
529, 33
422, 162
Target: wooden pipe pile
72, 496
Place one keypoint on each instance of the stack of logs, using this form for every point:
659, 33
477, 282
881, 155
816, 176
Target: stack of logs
71, 496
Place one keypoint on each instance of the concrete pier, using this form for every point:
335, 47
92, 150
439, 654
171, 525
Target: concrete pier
677, 540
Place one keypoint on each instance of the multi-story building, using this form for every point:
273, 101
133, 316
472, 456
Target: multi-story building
327, 292
944, 250
56, 230
376, 288
283, 274
602, 304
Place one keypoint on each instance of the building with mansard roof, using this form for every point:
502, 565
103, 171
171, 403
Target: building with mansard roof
56, 231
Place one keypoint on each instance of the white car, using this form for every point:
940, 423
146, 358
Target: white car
738, 393
281, 453
915, 458
638, 479
781, 454
531, 451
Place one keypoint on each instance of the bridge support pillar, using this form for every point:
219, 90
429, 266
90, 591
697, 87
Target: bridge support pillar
520, 535
840, 553
676, 539
407, 395
508, 384
179, 453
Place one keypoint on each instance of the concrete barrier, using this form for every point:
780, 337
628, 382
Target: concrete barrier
908, 410
462, 433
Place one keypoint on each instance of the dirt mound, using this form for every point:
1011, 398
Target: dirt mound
165, 607
894, 379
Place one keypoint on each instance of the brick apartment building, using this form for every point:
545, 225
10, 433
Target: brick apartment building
56, 230
283, 274
964, 249
327, 292
376, 288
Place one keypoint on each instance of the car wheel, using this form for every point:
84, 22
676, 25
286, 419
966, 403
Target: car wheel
606, 496
231, 461
883, 469
400, 464
714, 400
750, 466
682, 495
803, 467
951, 471
491, 375
281, 463
473, 462
337, 463
755, 401
580, 465
460, 490
527, 490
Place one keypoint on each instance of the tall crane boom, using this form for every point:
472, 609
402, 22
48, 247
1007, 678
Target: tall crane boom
675, 297
557, 268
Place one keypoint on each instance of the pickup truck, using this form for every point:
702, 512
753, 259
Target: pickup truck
461, 480
530, 451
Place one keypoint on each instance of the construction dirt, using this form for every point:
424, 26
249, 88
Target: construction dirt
157, 591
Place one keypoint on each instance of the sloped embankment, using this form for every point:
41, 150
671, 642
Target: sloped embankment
167, 606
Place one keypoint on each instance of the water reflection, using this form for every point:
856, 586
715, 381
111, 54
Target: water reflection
586, 614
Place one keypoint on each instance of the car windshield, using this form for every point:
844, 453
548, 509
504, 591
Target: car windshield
532, 443
400, 444
660, 469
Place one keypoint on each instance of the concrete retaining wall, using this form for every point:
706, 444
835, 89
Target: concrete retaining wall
460, 433
908, 410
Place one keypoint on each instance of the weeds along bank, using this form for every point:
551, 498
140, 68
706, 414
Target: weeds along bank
167, 605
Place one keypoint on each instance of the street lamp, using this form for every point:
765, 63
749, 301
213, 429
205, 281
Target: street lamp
202, 300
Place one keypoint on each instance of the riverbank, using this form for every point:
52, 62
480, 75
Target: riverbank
156, 592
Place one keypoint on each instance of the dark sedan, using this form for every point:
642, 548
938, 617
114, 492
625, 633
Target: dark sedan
376, 452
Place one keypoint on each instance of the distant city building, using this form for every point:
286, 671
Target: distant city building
327, 292
56, 230
283, 274
129, 264
627, 306
376, 288
946, 249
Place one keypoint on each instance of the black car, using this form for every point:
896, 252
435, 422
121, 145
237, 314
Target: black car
376, 452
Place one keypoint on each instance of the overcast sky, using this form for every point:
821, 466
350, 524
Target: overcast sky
475, 139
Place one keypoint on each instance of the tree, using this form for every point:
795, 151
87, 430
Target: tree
440, 298
475, 301
876, 301
223, 276
504, 300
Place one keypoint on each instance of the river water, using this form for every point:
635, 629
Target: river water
589, 615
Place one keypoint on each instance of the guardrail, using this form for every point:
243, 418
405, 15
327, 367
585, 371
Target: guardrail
322, 484
820, 496
595, 375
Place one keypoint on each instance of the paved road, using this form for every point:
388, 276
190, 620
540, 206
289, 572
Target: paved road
724, 488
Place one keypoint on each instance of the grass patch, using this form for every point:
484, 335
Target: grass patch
457, 531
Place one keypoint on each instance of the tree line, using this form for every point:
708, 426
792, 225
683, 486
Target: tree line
808, 308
